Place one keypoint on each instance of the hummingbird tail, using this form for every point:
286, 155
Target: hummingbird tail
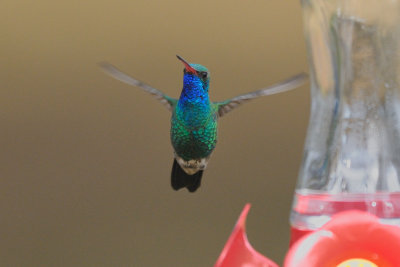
180, 179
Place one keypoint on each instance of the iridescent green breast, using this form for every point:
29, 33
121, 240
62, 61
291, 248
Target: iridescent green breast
196, 138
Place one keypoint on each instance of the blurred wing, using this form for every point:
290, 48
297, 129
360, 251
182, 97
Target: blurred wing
286, 85
167, 101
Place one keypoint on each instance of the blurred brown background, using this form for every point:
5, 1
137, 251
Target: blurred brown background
86, 160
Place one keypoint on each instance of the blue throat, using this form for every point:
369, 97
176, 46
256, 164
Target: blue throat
194, 93
194, 103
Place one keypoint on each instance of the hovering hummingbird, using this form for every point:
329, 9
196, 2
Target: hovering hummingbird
194, 118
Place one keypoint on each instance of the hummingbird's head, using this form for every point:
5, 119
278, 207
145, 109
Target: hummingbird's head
195, 75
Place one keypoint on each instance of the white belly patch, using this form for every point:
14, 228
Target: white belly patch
192, 166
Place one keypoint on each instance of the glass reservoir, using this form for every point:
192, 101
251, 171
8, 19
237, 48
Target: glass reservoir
352, 152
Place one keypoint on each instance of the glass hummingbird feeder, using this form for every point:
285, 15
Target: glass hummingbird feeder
352, 152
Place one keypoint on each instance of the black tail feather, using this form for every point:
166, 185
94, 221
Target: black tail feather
180, 179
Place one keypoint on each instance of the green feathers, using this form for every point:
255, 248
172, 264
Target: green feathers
194, 140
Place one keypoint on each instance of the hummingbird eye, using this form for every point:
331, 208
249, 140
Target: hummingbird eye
203, 74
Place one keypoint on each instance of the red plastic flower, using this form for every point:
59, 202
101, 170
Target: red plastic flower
351, 238
238, 252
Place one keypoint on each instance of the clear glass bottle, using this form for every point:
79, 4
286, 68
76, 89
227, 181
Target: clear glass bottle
352, 152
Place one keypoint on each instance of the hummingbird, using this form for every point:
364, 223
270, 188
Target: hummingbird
194, 117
